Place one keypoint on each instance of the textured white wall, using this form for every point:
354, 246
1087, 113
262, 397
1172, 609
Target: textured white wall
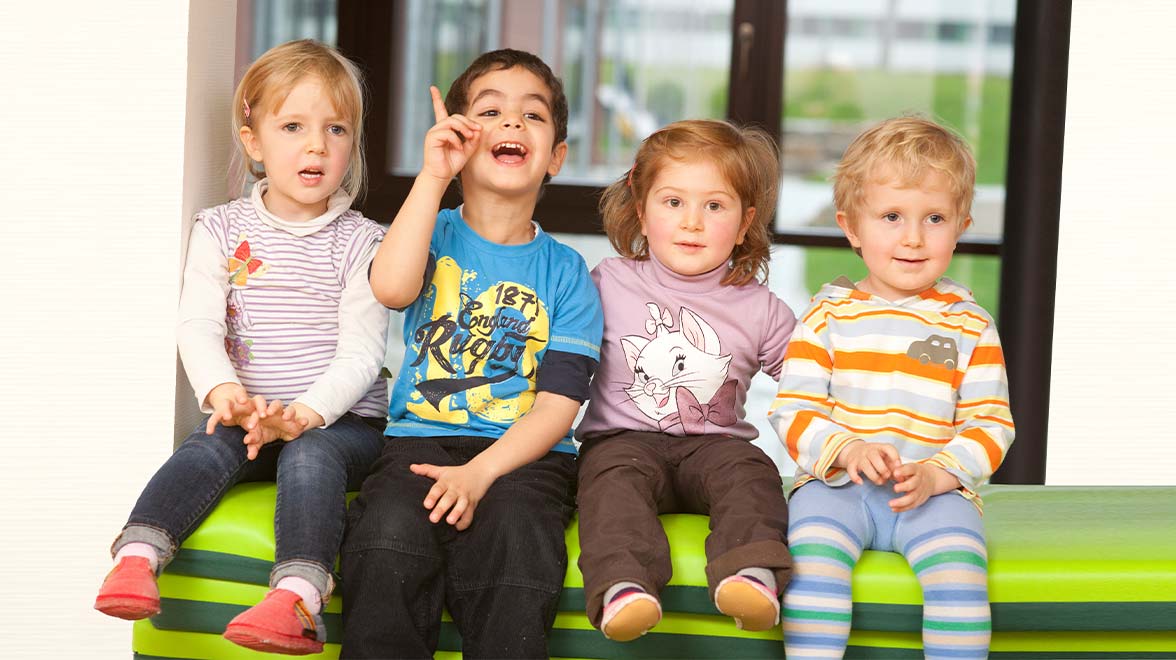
104, 155
1112, 390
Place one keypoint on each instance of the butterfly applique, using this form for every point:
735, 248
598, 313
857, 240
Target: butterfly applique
242, 264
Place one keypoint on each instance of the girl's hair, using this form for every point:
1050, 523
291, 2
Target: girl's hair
270, 79
748, 160
907, 148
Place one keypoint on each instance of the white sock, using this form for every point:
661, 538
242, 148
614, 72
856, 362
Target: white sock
305, 590
616, 588
138, 549
767, 577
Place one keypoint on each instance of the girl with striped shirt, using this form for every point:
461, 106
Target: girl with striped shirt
893, 401
282, 341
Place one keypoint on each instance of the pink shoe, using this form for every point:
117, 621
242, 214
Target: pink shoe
629, 615
280, 623
129, 590
749, 602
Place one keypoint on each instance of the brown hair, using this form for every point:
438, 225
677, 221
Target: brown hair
457, 98
908, 147
270, 79
748, 160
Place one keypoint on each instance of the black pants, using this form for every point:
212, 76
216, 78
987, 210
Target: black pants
500, 579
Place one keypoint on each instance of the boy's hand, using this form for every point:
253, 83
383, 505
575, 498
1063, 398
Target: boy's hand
920, 481
458, 490
231, 406
876, 461
280, 423
450, 142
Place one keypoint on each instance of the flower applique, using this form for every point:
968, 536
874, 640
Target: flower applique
239, 350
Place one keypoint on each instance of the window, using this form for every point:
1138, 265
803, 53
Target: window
811, 73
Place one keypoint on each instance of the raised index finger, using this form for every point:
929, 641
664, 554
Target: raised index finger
439, 111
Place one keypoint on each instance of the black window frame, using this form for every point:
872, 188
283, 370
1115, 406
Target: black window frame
1028, 250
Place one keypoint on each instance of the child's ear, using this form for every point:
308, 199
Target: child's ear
557, 158
250, 142
847, 227
748, 218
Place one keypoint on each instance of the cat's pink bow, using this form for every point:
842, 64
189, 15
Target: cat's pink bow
720, 410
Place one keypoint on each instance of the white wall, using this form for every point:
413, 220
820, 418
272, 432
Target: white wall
1113, 392
100, 165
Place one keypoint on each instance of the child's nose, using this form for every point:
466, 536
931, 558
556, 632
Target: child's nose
913, 235
692, 219
511, 122
315, 143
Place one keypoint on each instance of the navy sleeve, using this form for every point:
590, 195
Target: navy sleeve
567, 374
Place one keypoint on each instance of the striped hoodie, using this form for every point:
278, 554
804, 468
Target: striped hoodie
925, 374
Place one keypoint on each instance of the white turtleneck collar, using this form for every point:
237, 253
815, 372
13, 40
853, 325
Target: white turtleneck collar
338, 203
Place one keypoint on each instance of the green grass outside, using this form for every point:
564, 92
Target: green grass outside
980, 273
861, 96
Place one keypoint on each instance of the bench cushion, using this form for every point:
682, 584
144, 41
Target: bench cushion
1073, 572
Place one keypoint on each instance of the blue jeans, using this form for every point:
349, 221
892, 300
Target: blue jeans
313, 474
500, 579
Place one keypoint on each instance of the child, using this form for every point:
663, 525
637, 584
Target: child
502, 328
275, 306
687, 325
899, 379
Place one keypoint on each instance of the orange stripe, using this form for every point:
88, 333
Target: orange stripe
932, 294
983, 402
805, 397
898, 312
792, 439
995, 454
896, 430
884, 363
987, 355
803, 350
998, 420
900, 411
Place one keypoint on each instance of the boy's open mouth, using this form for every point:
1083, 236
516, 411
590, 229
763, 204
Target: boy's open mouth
310, 175
509, 153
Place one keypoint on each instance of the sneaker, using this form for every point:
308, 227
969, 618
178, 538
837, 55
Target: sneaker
129, 590
280, 623
749, 602
629, 615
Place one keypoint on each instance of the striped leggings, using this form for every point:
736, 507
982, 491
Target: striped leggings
942, 540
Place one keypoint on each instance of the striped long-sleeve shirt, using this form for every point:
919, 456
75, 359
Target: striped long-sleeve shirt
925, 374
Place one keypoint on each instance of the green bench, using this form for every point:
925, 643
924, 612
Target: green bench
1075, 572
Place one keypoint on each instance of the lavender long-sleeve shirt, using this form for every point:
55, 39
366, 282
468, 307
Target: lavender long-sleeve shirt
679, 351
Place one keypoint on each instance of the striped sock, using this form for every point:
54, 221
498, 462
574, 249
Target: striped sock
818, 602
952, 566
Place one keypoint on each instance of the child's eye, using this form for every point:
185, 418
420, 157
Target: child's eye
335, 129
534, 116
936, 219
891, 217
488, 113
714, 206
291, 127
673, 202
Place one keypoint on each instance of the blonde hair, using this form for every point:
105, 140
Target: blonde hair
270, 79
747, 159
908, 147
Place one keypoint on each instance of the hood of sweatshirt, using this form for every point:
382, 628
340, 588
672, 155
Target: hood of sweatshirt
941, 296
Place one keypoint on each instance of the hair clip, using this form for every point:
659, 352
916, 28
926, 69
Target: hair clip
630, 181
245, 102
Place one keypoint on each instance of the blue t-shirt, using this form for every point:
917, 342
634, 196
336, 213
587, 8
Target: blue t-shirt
477, 335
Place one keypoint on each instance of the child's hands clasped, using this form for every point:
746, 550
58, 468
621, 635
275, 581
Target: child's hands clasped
231, 406
458, 489
446, 152
920, 481
876, 461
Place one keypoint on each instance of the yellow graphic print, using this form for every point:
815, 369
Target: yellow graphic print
477, 353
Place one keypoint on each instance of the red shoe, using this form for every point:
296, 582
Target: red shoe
280, 623
129, 590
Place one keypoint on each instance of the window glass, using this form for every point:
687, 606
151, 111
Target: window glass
273, 22
849, 64
624, 68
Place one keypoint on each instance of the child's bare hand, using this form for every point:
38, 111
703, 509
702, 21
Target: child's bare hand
875, 461
450, 142
920, 481
231, 406
458, 491
279, 423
